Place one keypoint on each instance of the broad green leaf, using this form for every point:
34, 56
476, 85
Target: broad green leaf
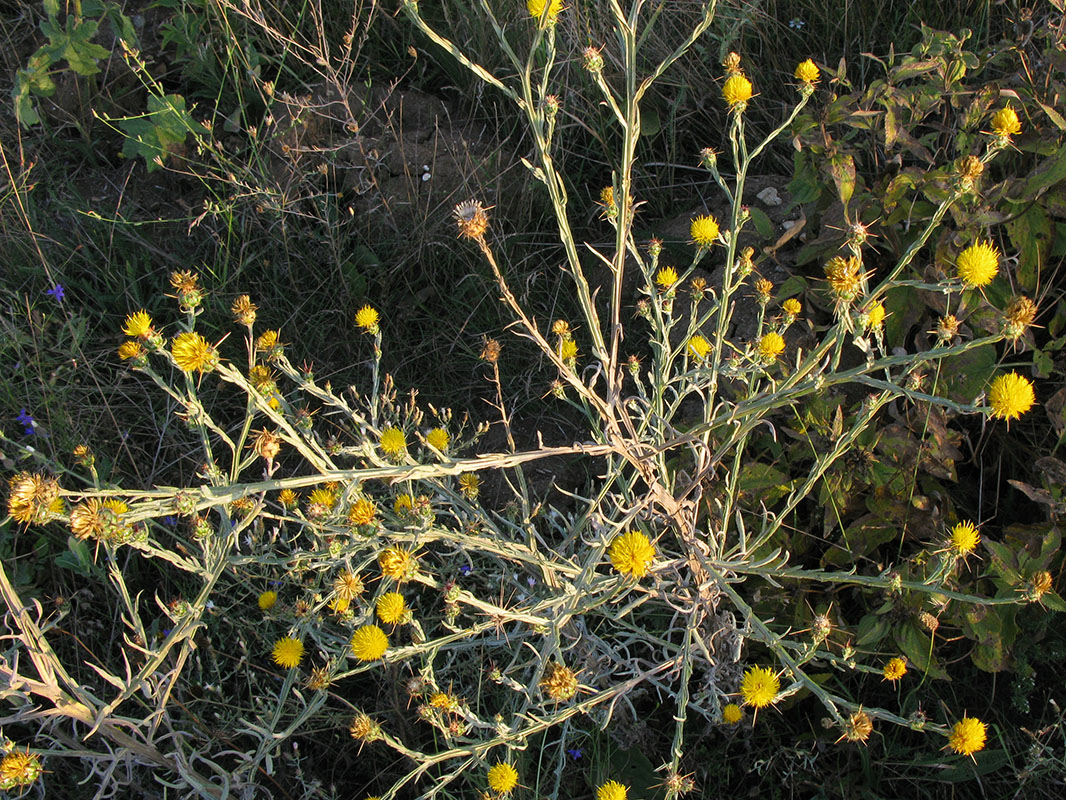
917, 645
1031, 236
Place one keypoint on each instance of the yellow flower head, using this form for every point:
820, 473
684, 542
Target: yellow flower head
792, 307
438, 438
964, 538
367, 318
895, 669
536, 8
364, 728
807, 72
391, 607
288, 652
99, 519
737, 92
978, 264
699, 347
138, 325
559, 682
875, 316
771, 345
858, 727
322, 496
502, 777
759, 687
612, 790
1005, 122
362, 512
704, 229
666, 277
568, 350
398, 563
33, 498
19, 769
469, 485
243, 310
1020, 313
968, 736
732, 714
369, 643
193, 353
1010, 396
631, 554
267, 600
403, 504
288, 498
393, 442
845, 277
130, 350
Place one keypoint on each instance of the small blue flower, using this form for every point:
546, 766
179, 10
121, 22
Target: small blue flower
27, 421
466, 569
170, 522
57, 292
575, 753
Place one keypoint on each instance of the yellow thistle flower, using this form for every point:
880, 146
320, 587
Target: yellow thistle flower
99, 519
771, 345
391, 608
243, 310
1020, 313
792, 307
367, 318
699, 347
288, 498
947, 328
319, 679
131, 350
607, 198
978, 264
322, 497
807, 72
19, 769
732, 714
469, 485
845, 277
193, 353
348, 585
502, 777
438, 438
444, 702
737, 92
895, 669
364, 728
138, 325
369, 643
536, 8
858, 727
759, 687
559, 682
267, 600
398, 564
666, 278
33, 498
403, 505
288, 652
964, 538
968, 736
1010, 396
1039, 584
1005, 122
568, 350
269, 341
612, 790
631, 554
704, 228
362, 512
875, 316
763, 288
393, 442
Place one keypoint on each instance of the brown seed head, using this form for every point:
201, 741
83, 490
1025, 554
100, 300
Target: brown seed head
472, 219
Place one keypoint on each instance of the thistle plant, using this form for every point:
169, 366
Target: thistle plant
347, 526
